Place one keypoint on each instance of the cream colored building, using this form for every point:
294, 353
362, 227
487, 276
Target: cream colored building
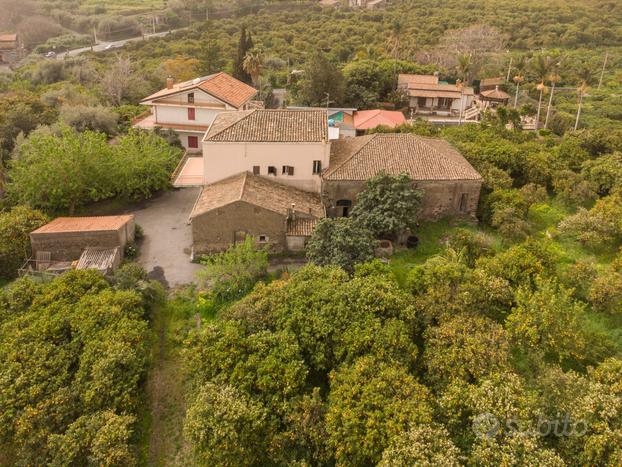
289, 146
190, 107
429, 96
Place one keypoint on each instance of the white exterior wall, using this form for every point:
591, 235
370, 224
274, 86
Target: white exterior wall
183, 137
179, 115
174, 109
467, 101
221, 160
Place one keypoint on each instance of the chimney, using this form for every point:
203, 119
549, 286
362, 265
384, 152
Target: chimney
170, 82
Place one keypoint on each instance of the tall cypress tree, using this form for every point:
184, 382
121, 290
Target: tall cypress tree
245, 44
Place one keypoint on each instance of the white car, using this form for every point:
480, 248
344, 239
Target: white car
50, 54
109, 46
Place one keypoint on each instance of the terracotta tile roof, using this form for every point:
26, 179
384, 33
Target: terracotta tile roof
226, 88
270, 126
438, 90
301, 227
84, 224
404, 78
220, 85
366, 119
259, 191
422, 158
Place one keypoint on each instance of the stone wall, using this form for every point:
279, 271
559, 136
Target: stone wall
441, 198
296, 243
216, 230
68, 246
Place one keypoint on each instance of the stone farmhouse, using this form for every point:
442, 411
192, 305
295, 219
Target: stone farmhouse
274, 214
273, 173
450, 184
188, 108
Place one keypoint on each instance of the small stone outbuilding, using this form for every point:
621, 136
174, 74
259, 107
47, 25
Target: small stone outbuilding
66, 238
450, 184
242, 205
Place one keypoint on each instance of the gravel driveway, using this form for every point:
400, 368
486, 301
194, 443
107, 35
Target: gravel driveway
165, 250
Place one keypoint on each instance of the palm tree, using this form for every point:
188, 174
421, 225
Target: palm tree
395, 44
521, 65
465, 62
586, 75
554, 79
253, 65
542, 67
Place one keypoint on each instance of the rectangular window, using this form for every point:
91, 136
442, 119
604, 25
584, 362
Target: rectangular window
272, 170
191, 98
263, 239
191, 113
193, 142
288, 170
317, 167
256, 170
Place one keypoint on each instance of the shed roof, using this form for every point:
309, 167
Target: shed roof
100, 259
265, 126
422, 158
84, 224
259, 191
220, 85
301, 227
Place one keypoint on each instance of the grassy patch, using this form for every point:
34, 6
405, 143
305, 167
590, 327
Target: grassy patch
161, 423
432, 239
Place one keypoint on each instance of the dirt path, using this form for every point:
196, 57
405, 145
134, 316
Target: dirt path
166, 395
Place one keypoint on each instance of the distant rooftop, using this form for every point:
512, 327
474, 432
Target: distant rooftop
220, 85
367, 119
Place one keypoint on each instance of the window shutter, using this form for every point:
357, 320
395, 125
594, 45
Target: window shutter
290, 171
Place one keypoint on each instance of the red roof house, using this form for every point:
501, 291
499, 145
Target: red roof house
369, 119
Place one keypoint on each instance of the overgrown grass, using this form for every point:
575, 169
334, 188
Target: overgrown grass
160, 427
432, 240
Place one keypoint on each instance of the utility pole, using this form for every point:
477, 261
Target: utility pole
327, 100
602, 72
507, 78
576, 123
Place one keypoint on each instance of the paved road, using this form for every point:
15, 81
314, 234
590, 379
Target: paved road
104, 46
165, 250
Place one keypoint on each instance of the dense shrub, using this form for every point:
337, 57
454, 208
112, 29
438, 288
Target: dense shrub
15, 228
74, 352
